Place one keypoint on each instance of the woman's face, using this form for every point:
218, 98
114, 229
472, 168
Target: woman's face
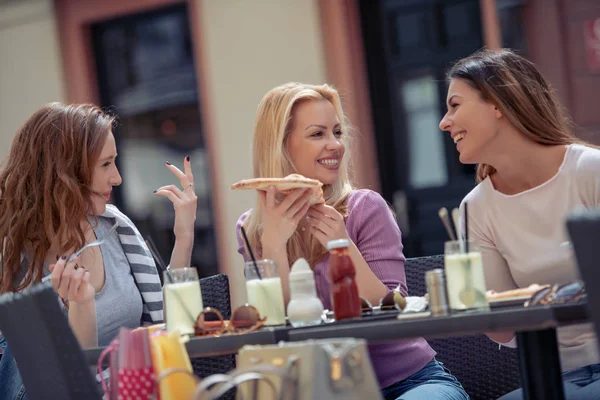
472, 122
105, 175
315, 144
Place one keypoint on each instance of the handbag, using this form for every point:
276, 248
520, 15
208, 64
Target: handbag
131, 372
332, 369
328, 369
169, 353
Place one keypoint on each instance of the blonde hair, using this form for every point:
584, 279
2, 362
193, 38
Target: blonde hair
272, 129
514, 85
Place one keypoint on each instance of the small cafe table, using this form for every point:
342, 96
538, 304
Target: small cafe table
535, 329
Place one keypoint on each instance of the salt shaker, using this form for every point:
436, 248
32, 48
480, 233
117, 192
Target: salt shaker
436, 287
304, 308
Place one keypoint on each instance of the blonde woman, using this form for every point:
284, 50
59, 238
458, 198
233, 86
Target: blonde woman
532, 171
301, 129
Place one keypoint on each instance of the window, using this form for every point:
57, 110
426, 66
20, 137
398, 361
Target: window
147, 78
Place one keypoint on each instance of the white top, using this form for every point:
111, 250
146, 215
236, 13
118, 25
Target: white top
523, 238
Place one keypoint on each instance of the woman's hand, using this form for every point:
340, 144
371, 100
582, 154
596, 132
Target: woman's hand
281, 220
326, 224
184, 200
71, 282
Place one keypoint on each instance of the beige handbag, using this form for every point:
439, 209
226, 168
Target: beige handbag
328, 369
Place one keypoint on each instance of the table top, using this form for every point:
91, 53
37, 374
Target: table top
386, 327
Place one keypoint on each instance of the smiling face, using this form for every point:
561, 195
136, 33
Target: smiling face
472, 122
314, 145
105, 175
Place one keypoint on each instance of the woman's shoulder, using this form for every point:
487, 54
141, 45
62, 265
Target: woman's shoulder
479, 199
242, 218
112, 212
480, 193
366, 201
358, 196
584, 159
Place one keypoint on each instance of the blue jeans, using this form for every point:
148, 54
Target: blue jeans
432, 382
579, 384
11, 384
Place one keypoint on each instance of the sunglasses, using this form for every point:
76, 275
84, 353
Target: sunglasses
557, 294
243, 320
365, 305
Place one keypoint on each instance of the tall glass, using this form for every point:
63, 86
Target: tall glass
183, 299
265, 294
465, 280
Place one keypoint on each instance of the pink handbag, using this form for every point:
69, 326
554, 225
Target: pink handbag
130, 367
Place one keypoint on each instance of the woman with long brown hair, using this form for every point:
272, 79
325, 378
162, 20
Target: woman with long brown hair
532, 171
55, 189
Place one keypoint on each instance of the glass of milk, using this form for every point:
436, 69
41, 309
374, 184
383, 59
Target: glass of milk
183, 299
265, 292
465, 280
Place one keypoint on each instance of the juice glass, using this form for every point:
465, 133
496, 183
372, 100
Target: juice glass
183, 299
465, 280
265, 292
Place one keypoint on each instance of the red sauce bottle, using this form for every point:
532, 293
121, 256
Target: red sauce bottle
344, 292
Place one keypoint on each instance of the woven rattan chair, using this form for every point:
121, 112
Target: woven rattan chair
485, 371
215, 294
48, 355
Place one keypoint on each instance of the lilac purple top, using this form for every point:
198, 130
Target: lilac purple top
373, 228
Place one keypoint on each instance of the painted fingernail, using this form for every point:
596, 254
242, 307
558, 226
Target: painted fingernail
63, 258
168, 163
187, 158
155, 191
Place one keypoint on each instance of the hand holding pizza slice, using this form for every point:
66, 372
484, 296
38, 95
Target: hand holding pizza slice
284, 186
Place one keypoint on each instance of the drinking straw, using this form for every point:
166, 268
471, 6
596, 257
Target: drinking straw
466, 228
155, 254
251, 253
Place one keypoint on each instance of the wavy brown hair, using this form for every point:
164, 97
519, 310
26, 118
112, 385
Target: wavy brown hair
515, 85
45, 186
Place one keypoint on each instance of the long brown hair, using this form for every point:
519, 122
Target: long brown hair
274, 124
45, 186
514, 85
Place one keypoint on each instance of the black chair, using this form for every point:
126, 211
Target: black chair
49, 357
584, 230
484, 371
215, 294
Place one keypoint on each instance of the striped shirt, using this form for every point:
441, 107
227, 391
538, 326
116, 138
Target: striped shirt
142, 266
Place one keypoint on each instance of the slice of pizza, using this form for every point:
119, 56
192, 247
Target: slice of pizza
284, 186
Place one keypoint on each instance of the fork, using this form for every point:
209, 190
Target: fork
96, 242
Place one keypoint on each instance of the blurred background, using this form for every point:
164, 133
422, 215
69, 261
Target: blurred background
185, 78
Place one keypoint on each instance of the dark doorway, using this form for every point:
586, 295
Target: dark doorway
409, 45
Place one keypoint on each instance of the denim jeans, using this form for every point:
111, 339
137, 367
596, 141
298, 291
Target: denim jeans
432, 382
11, 384
578, 384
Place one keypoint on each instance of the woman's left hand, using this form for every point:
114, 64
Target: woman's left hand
326, 224
184, 200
